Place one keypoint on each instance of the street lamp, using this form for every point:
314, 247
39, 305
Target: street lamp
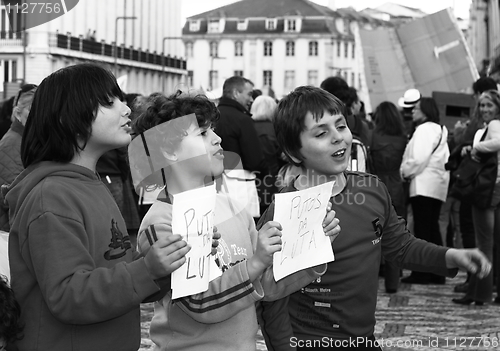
163, 61
116, 38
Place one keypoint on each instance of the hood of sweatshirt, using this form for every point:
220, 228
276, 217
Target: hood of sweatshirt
16, 193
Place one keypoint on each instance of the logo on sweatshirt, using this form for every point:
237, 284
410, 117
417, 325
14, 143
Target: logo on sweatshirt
119, 244
377, 227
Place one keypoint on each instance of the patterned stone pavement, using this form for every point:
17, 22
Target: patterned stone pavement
417, 317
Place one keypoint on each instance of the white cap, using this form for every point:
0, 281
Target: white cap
410, 98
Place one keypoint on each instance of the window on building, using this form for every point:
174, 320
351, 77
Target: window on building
242, 24
312, 77
268, 78
194, 26
339, 43
346, 26
290, 25
353, 50
289, 80
290, 48
213, 79
238, 48
271, 23
214, 49
313, 48
213, 26
268, 48
238, 73
189, 49
353, 78
190, 78
346, 49
345, 75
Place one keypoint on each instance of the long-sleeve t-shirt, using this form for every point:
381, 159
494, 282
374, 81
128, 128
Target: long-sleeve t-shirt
74, 272
223, 318
341, 304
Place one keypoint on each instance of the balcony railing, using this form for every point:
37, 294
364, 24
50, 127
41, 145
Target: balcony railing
104, 49
10, 39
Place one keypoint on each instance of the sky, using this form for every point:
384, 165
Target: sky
194, 7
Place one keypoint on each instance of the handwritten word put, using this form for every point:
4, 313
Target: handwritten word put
202, 224
305, 242
302, 205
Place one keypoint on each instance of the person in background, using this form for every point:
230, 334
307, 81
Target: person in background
235, 126
387, 149
463, 141
423, 165
6, 115
487, 220
263, 109
10, 146
407, 103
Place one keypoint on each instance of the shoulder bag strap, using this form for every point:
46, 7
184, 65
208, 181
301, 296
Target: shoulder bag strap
439, 142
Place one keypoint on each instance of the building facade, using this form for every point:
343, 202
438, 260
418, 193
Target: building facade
280, 44
484, 36
148, 56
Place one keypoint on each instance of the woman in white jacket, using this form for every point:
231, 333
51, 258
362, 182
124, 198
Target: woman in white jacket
423, 164
487, 220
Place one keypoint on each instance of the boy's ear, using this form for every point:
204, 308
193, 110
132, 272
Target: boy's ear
169, 156
293, 158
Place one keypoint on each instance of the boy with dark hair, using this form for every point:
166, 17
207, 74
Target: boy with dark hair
340, 306
74, 271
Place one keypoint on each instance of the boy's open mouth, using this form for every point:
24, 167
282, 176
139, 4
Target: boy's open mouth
339, 153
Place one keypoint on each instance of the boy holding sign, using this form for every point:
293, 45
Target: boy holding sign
184, 155
339, 307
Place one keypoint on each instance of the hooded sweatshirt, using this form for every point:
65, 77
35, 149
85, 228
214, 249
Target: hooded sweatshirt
74, 271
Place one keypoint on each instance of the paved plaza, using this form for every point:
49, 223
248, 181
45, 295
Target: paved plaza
417, 317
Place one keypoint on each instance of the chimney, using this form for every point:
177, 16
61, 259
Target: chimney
331, 5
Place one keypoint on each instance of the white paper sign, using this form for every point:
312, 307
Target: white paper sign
193, 218
301, 214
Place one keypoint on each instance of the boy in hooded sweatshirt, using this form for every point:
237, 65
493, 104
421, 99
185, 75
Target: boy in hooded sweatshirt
74, 272
224, 316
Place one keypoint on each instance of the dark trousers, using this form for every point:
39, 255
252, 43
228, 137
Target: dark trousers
426, 212
467, 225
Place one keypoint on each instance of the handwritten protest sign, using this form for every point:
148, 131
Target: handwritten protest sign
305, 244
193, 218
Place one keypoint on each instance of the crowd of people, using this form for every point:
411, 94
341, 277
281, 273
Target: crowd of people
84, 253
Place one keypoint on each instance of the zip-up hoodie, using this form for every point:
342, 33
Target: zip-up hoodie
74, 272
